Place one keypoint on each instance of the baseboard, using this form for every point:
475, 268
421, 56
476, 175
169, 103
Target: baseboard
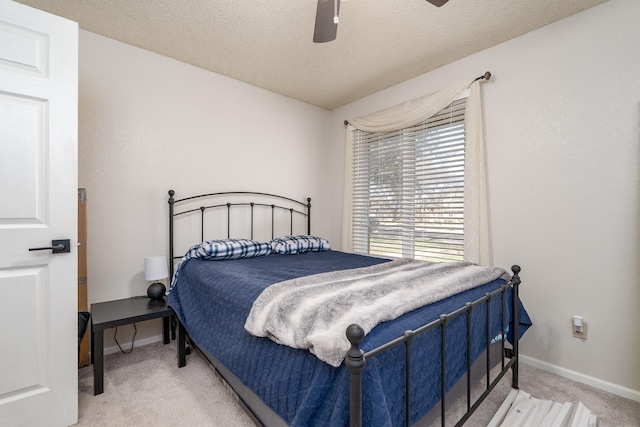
584, 379
138, 343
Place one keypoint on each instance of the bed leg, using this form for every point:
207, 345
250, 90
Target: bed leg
182, 346
355, 363
515, 281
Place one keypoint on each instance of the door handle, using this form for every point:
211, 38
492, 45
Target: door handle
57, 247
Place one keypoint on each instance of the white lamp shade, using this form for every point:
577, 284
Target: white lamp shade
155, 268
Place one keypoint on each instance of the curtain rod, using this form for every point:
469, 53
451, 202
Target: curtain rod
485, 76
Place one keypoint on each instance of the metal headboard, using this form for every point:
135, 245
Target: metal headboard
213, 202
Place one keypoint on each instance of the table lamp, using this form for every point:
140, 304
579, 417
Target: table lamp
155, 268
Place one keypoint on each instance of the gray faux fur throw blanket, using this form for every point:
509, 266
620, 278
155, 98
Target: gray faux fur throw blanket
313, 312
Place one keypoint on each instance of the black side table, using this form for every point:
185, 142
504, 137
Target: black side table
105, 315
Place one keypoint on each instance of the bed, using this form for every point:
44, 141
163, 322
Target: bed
401, 372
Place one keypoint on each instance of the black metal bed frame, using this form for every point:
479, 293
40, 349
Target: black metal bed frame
251, 205
356, 358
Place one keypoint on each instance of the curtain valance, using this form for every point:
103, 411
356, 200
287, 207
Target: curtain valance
409, 113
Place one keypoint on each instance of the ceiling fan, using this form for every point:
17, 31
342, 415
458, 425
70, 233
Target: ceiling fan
327, 19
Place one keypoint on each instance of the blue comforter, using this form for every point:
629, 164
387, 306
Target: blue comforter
213, 298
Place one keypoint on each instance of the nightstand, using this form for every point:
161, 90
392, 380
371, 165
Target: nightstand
105, 315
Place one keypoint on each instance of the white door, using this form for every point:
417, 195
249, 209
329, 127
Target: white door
38, 204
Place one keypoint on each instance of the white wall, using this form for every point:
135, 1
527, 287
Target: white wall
562, 117
148, 124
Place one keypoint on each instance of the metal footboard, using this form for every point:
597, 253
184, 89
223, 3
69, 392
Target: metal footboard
356, 359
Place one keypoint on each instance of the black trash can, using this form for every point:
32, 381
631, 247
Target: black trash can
83, 322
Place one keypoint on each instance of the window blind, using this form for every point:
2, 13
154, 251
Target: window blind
408, 189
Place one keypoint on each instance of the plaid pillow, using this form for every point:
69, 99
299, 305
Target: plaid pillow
221, 250
299, 244
228, 249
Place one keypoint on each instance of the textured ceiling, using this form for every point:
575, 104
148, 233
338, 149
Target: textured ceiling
268, 43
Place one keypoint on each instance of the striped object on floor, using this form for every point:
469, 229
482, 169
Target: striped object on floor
519, 409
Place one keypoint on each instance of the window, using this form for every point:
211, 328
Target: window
408, 189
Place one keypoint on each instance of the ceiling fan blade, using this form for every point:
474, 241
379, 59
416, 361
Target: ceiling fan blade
437, 2
326, 29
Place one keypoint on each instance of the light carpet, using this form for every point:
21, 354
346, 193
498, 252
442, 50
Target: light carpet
146, 388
